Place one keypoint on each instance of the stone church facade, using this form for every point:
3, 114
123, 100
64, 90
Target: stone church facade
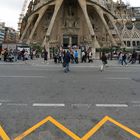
55, 23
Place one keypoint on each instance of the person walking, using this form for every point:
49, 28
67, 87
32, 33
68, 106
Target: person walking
83, 56
26, 56
90, 59
66, 61
76, 57
5, 54
104, 61
133, 58
120, 55
124, 57
45, 55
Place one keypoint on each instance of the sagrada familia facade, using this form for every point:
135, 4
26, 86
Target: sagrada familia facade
55, 23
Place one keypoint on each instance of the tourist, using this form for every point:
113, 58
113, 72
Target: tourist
5, 54
104, 61
133, 58
22, 54
120, 55
76, 56
26, 56
90, 59
124, 57
83, 56
66, 61
45, 55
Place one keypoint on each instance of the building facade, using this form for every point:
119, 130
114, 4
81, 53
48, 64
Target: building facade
128, 24
90, 23
2, 32
53, 23
10, 35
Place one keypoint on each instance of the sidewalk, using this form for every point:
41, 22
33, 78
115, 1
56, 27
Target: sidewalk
40, 62
96, 63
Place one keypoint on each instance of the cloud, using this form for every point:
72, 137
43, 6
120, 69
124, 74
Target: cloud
9, 12
12, 4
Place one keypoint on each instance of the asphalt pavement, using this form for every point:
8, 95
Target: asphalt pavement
78, 100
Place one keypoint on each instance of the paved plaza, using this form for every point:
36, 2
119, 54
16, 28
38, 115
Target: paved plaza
78, 100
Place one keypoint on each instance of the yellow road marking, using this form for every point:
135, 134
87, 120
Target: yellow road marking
102, 122
95, 129
3, 135
53, 121
88, 135
124, 128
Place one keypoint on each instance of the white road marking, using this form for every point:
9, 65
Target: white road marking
4, 101
0, 104
111, 105
118, 78
22, 76
48, 105
16, 104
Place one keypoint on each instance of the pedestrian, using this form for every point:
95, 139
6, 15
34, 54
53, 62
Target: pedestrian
66, 61
133, 58
55, 58
124, 57
76, 57
22, 54
90, 59
83, 56
26, 56
15, 53
120, 55
31, 55
10, 55
5, 55
72, 57
104, 61
45, 55
59, 57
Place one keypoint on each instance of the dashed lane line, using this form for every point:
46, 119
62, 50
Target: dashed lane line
4, 101
48, 105
111, 105
16, 104
118, 78
22, 76
132, 104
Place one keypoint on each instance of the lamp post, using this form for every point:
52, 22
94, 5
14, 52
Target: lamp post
133, 21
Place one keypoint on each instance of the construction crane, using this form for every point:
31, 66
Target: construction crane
22, 13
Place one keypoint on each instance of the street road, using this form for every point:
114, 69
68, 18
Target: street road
78, 100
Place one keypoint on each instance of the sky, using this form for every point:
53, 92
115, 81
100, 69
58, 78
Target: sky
10, 10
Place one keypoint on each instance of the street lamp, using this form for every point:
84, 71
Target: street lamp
133, 21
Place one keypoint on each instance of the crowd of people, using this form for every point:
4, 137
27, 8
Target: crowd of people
125, 58
75, 56
66, 57
14, 55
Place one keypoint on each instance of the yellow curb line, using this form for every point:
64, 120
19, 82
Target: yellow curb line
88, 135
